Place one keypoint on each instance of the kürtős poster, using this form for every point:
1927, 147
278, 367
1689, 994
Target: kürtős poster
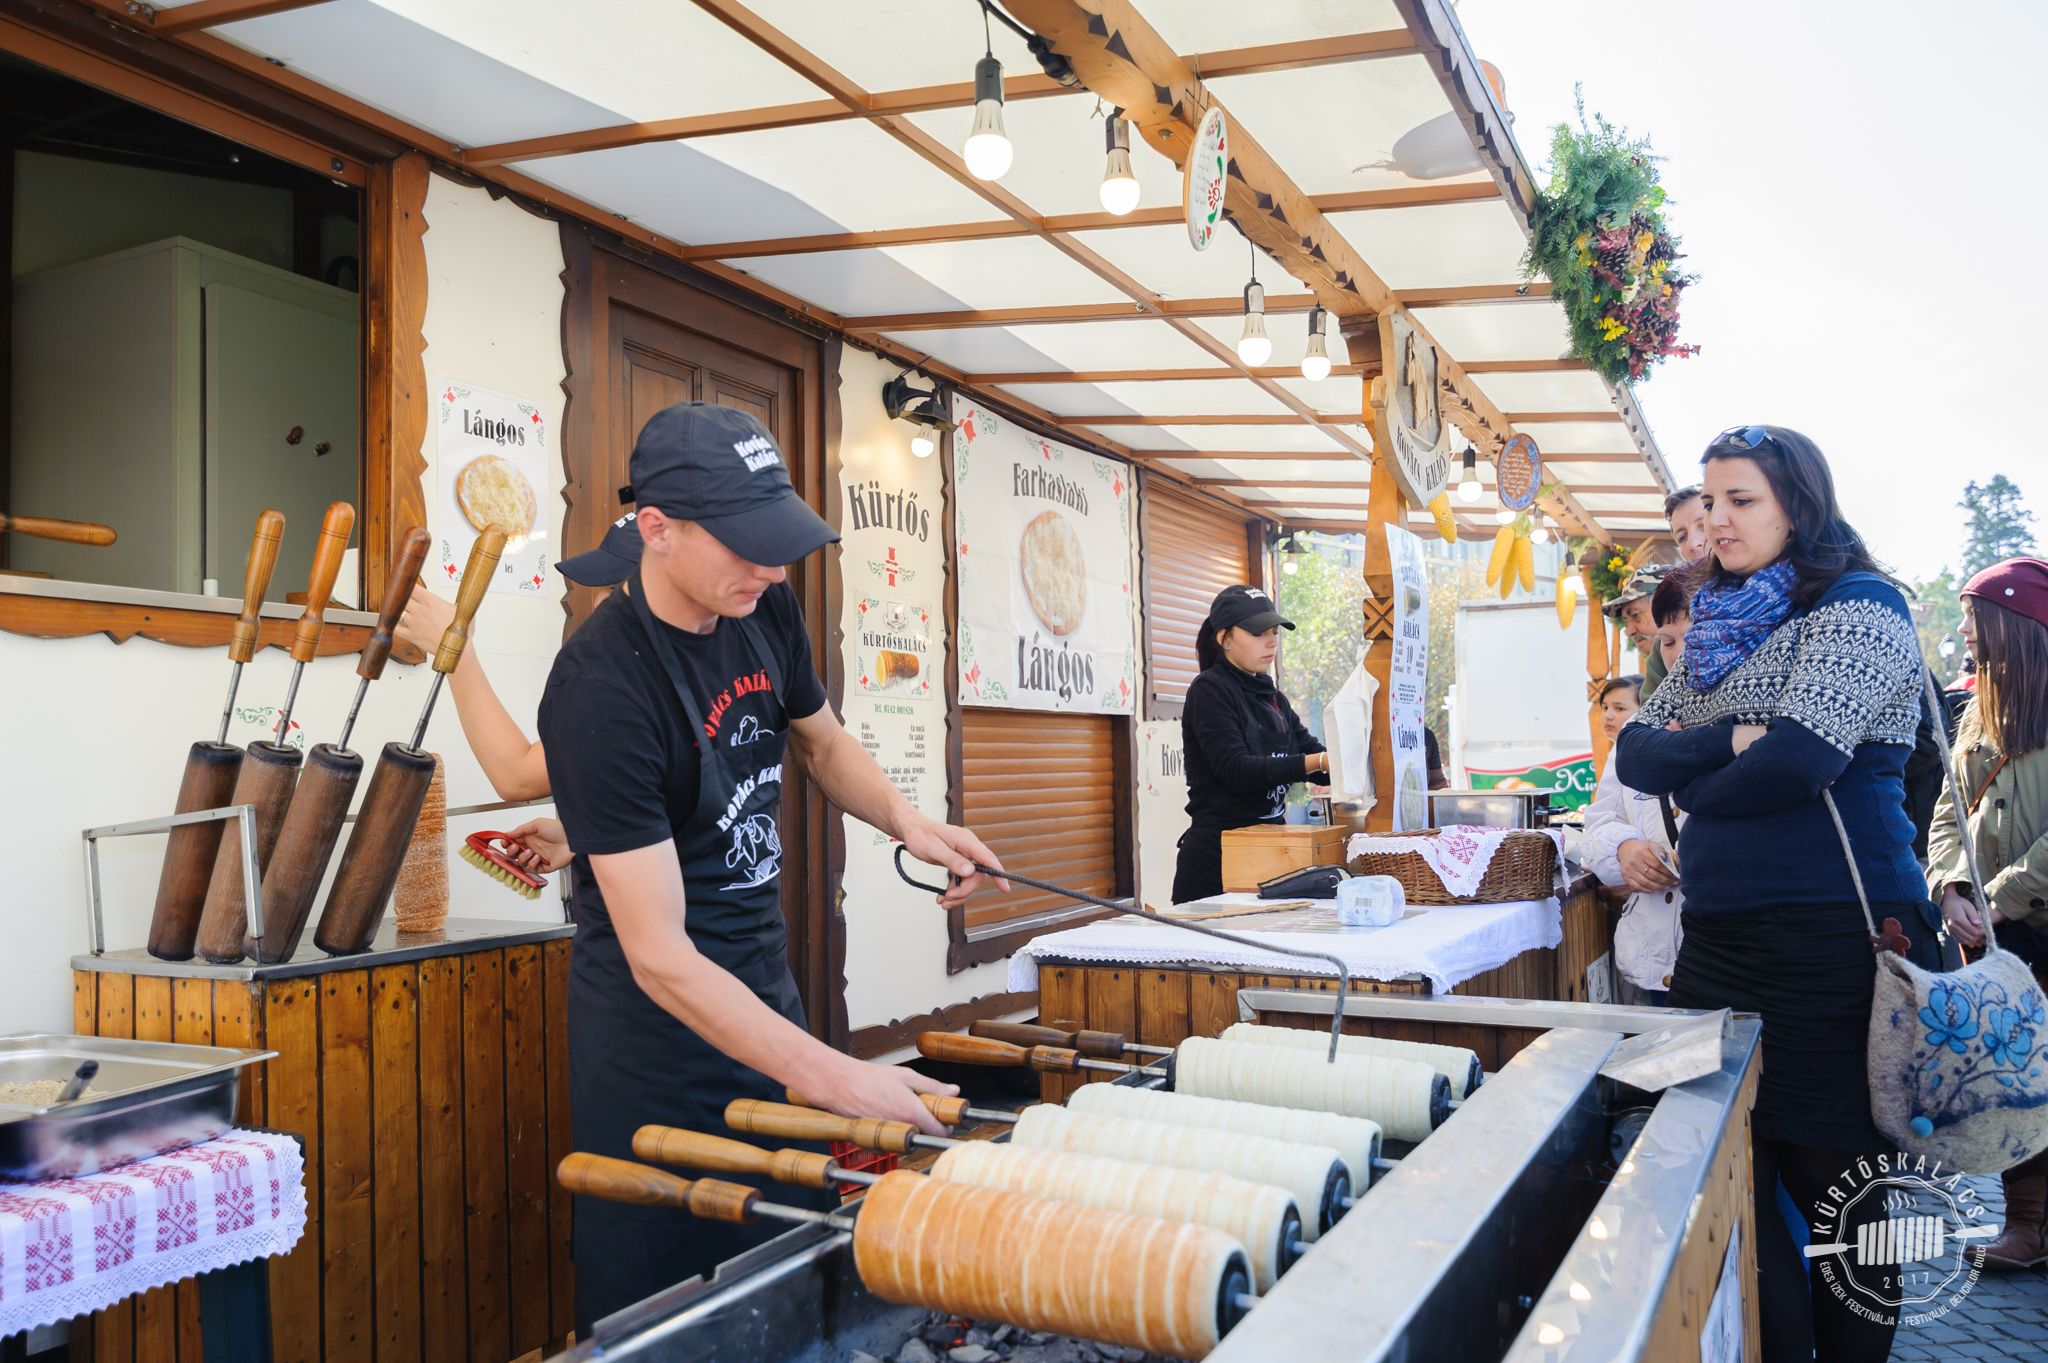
1043, 538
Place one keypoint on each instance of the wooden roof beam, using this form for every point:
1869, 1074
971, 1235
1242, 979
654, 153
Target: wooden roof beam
1240, 61
1270, 371
1212, 419
209, 13
1164, 215
1250, 456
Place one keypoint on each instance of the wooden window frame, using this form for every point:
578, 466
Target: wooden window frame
180, 84
965, 950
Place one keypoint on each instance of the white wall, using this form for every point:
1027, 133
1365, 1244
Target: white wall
895, 935
96, 733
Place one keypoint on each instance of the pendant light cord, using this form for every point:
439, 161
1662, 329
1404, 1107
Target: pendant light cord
988, 41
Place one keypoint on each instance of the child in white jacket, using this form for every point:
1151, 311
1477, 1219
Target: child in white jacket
1626, 843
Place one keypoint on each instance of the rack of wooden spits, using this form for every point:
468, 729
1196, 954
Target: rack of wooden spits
1148, 1213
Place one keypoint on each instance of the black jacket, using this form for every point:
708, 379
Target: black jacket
1244, 748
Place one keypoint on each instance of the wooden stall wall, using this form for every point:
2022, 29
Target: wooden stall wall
432, 1099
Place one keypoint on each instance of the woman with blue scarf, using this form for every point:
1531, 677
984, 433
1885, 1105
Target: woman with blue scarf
1801, 675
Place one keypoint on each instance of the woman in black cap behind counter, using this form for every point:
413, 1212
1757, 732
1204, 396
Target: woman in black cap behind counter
1244, 745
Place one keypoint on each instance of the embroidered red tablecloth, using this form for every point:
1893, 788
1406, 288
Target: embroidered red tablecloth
70, 1246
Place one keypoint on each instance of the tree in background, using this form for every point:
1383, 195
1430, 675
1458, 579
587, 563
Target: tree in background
1937, 618
1325, 598
1999, 526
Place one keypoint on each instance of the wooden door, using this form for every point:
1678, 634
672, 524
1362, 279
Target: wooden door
648, 341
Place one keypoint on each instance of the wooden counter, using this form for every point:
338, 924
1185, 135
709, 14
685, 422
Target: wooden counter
1163, 1005
428, 1079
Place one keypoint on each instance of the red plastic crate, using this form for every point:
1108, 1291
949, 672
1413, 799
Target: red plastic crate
863, 1161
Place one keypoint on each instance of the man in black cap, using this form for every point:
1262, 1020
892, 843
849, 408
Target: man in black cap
666, 723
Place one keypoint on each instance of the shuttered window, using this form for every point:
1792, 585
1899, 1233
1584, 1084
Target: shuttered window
1041, 789
1190, 550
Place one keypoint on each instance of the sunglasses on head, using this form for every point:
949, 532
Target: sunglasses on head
1743, 438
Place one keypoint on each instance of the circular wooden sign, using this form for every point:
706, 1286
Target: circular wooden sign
1204, 177
1519, 472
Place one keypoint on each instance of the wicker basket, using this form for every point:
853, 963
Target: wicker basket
1524, 866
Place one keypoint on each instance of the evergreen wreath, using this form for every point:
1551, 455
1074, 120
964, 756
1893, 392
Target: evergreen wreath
1599, 233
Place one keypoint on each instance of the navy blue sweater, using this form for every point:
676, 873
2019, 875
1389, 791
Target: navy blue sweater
1838, 688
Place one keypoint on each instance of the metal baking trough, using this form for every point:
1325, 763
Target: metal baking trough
150, 1097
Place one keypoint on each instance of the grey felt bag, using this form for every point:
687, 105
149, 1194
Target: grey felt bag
1958, 1061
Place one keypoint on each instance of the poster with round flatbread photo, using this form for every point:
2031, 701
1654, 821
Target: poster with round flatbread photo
491, 455
1042, 532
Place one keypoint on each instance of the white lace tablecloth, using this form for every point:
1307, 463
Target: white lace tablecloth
1447, 945
70, 1246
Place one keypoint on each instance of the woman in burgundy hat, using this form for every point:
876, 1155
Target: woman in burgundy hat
2002, 772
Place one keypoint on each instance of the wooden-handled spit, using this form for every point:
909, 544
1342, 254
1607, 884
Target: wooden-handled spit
312, 823
398, 787
618, 1180
67, 532
722, 1155
1096, 1045
271, 768
784, 1122
981, 1050
951, 1111
210, 772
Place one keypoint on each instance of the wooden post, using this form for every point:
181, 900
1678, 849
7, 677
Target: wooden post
1384, 507
1599, 667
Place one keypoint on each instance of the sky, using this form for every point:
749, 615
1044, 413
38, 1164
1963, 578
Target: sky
1857, 190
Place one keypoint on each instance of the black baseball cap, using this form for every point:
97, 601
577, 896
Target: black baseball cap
720, 467
1247, 608
612, 562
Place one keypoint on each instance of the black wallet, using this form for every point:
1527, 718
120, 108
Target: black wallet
1310, 882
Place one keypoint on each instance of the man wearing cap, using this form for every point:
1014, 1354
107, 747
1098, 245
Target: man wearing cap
1244, 747
666, 722
1632, 607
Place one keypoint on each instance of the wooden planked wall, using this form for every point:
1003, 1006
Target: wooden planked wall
432, 1099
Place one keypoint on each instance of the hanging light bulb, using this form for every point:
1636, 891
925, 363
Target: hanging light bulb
1504, 516
1540, 532
1119, 188
988, 149
1315, 361
922, 444
1290, 550
1254, 346
1468, 484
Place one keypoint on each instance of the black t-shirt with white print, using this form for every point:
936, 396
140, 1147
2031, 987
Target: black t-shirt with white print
625, 768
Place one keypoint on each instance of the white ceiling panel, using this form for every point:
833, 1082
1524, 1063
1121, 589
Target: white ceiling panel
1060, 154
679, 192
896, 44
1191, 26
648, 59
1218, 438
1533, 329
1597, 475
1381, 124
1161, 259
1059, 345
1339, 393
852, 172
1439, 245
1647, 503
405, 69
1570, 390
1580, 437
1655, 524
1254, 471
1180, 397
948, 276
1288, 512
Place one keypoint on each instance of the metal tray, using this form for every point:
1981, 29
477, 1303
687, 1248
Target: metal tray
150, 1097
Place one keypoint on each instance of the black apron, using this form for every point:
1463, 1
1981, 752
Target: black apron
631, 1062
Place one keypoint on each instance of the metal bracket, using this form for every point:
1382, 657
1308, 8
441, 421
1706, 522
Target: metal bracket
252, 883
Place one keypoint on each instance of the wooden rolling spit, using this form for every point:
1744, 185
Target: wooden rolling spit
312, 823
271, 769
210, 772
398, 787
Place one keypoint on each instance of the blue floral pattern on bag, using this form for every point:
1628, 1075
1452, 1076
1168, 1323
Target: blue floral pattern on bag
1996, 1036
